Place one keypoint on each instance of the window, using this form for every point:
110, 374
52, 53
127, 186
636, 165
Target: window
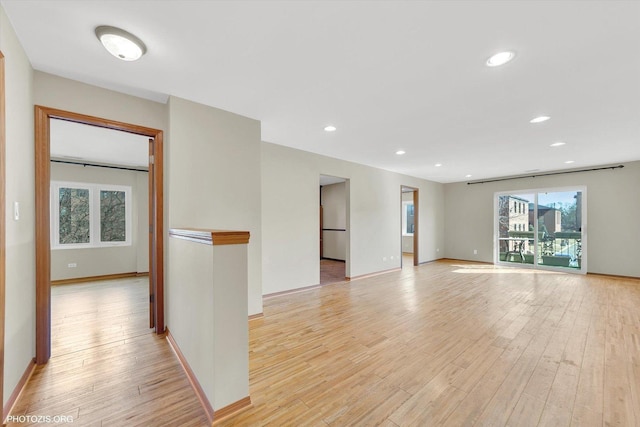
90, 215
545, 228
408, 219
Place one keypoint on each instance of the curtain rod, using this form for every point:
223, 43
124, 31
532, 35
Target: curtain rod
99, 166
547, 174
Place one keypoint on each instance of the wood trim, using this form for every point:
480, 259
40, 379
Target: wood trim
256, 316
197, 388
43, 244
231, 410
96, 278
614, 276
17, 391
291, 291
378, 273
211, 237
2, 229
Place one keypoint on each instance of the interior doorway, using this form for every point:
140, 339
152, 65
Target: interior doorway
99, 235
43, 119
334, 235
409, 231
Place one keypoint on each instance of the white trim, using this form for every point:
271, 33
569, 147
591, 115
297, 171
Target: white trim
94, 214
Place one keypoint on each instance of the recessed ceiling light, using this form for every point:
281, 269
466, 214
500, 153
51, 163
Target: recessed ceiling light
400, 152
330, 128
120, 43
468, 176
438, 165
569, 161
500, 58
557, 144
539, 119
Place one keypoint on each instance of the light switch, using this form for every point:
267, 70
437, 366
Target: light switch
16, 210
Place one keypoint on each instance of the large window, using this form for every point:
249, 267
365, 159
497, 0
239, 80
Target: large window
89, 215
545, 228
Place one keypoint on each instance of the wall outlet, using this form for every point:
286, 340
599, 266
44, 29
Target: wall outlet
384, 258
72, 265
391, 256
475, 252
437, 249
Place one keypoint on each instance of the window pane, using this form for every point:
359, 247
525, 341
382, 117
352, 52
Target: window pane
560, 219
74, 215
515, 228
410, 219
112, 216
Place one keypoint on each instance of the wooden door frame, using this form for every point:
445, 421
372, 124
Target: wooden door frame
43, 244
2, 233
416, 221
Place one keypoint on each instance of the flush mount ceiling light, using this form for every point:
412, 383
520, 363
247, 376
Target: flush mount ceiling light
120, 43
438, 165
330, 128
557, 144
400, 152
500, 58
468, 176
539, 119
569, 161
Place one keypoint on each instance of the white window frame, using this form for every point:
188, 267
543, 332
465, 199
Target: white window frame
535, 191
405, 205
94, 214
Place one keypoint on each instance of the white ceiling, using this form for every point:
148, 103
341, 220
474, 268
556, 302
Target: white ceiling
389, 75
77, 142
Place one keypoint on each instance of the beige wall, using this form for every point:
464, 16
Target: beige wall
613, 203
214, 178
112, 260
19, 310
290, 194
334, 210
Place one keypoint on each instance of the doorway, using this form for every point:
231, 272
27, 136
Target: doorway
334, 236
43, 118
99, 235
409, 231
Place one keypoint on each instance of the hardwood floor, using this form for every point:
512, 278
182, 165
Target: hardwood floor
107, 367
331, 271
447, 343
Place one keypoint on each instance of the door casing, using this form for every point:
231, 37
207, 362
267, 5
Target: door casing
42, 204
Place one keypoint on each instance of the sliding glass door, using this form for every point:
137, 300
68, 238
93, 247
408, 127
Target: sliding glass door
542, 228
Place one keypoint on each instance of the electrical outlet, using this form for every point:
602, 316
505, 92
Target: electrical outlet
384, 258
437, 249
16, 211
475, 252
391, 256
72, 265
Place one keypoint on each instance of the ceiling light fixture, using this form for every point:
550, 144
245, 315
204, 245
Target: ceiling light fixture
438, 165
468, 176
120, 43
539, 119
569, 161
330, 128
500, 58
557, 144
400, 152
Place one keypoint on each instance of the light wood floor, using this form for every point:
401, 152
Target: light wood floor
450, 344
107, 367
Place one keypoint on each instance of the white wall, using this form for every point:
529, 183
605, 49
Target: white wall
214, 178
334, 213
613, 204
290, 223
109, 260
19, 310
